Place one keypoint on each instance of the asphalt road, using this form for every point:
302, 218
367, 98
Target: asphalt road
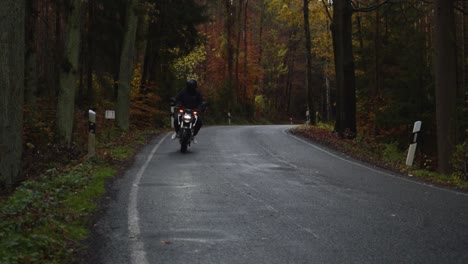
256, 194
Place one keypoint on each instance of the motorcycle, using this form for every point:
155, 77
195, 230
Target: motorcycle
187, 119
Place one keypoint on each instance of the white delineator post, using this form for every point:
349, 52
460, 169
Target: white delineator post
110, 116
229, 118
413, 144
92, 134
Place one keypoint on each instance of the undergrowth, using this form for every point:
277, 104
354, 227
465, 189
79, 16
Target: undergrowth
45, 219
384, 155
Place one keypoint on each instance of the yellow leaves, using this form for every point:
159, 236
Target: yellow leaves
185, 66
287, 13
282, 52
136, 81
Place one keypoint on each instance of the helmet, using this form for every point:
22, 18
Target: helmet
192, 85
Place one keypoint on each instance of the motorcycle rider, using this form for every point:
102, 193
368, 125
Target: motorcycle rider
190, 98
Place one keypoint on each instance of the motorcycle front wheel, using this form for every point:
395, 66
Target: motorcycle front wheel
184, 140
183, 145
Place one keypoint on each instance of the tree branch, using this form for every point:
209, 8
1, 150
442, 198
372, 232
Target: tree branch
327, 10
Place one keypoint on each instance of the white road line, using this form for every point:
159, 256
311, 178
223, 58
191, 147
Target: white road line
137, 247
372, 169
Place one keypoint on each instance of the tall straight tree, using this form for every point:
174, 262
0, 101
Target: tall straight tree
11, 89
445, 81
244, 86
308, 45
230, 52
30, 77
68, 73
126, 66
237, 48
344, 68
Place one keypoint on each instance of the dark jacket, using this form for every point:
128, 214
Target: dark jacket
190, 99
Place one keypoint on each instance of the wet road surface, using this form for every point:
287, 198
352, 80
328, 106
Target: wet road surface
257, 194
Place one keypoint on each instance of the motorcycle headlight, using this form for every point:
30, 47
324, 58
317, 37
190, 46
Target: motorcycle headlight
187, 117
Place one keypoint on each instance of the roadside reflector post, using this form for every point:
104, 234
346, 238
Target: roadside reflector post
92, 134
110, 115
413, 143
229, 118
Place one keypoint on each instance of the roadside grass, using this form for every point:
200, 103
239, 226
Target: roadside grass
45, 220
441, 179
386, 156
122, 152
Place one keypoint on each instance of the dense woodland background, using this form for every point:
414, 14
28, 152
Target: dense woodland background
369, 67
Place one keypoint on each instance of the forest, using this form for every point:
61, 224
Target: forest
367, 68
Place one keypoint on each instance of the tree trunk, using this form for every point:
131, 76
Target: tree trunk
228, 25
308, 46
126, 67
147, 61
144, 56
377, 77
30, 73
260, 45
445, 82
463, 86
290, 81
378, 82
12, 44
238, 41
329, 115
344, 69
90, 56
328, 97
59, 49
244, 85
68, 74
